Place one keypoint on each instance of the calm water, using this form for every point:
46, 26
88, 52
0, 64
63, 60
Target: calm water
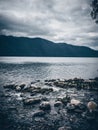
27, 69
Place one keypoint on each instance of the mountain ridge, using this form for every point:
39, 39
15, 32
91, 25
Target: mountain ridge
23, 46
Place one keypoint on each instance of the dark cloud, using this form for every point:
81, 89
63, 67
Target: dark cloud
58, 20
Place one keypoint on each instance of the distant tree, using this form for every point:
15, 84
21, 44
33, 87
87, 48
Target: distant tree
94, 11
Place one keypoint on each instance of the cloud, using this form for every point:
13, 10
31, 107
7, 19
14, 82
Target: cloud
57, 20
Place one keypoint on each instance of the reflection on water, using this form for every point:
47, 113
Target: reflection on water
27, 69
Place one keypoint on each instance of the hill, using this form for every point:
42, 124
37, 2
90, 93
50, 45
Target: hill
22, 46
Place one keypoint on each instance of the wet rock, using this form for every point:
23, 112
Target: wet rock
39, 113
34, 86
18, 88
78, 110
22, 95
22, 86
45, 99
45, 106
27, 88
49, 83
39, 90
70, 107
91, 106
46, 90
38, 80
64, 100
81, 106
7, 95
90, 116
12, 108
59, 84
57, 104
65, 128
11, 86
74, 101
79, 80
35, 91
31, 101
62, 128
51, 80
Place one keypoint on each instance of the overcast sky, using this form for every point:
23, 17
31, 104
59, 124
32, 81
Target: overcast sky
56, 20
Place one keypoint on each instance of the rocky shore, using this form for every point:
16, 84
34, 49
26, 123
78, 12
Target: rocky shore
50, 105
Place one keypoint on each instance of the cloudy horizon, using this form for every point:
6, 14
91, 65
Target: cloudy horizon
56, 20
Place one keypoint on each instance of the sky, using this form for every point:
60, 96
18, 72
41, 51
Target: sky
66, 21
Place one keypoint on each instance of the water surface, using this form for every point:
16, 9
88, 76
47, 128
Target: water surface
27, 69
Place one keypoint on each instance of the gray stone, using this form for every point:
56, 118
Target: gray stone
11, 86
65, 128
57, 104
38, 113
31, 101
45, 106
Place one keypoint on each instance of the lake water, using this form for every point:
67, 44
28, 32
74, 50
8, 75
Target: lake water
27, 69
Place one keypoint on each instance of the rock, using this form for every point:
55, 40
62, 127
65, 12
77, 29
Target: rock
44, 99
90, 116
51, 80
64, 100
31, 101
78, 111
34, 86
45, 106
22, 86
7, 95
39, 90
65, 128
11, 86
12, 108
74, 102
27, 88
35, 91
46, 90
38, 80
39, 113
59, 84
57, 104
70, 107
18, 88
62, 128
22, 95
81, 106
91, 106
49, 83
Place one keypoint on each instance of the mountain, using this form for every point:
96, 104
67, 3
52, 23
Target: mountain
22, 46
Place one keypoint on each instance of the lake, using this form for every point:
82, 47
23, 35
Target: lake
27, 69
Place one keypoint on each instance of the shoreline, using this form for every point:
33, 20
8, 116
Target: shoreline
48, 105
